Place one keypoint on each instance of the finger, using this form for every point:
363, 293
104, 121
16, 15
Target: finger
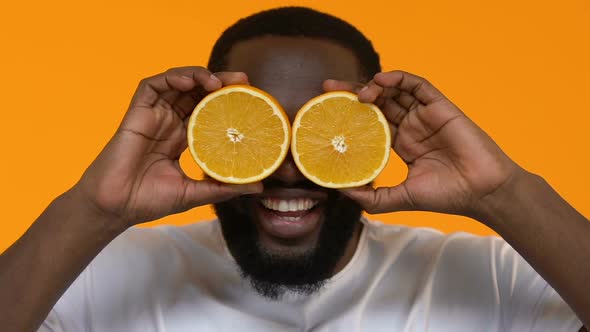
336, 85
209, 191
232, 78
186, 101
393, 111
416, 86
170, 84
383, 199
201, 77
393, 131
376, 93
408, 101
370, 93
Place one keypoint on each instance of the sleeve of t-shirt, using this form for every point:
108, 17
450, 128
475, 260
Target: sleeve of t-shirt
70, 312
528, 301
103, 291
53, 323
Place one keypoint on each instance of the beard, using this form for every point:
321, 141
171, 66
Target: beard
274, 273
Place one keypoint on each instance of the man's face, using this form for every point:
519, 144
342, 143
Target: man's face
295, 234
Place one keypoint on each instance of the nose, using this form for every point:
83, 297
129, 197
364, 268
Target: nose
288, 173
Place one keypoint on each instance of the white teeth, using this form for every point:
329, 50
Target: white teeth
282, 205
293, 205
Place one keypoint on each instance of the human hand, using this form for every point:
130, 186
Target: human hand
137, 177
452, 164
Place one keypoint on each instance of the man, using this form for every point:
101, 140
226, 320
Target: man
338, 273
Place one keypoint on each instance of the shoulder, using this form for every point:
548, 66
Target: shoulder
445, 273
141, 260
458, 264
136, 270
137, 240
444, 254
430, 240
155, 250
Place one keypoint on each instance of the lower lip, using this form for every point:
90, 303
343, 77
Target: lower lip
287, 225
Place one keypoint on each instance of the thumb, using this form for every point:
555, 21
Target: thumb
209, 191
382, 199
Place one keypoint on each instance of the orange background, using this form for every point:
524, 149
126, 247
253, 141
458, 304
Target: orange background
520, 69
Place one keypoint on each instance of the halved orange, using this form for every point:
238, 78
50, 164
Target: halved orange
339, 142
238, 134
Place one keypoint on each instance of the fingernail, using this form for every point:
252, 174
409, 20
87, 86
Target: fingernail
364, 88
187, 77
215, 78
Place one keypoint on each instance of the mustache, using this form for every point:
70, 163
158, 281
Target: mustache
272, 183
275, 183
305, 184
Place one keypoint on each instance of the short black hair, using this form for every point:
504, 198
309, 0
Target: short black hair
296, 22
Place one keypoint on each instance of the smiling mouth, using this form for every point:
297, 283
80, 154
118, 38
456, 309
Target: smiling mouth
289, 209
291, 218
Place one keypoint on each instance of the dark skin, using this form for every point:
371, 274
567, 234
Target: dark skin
454, 167
286, 71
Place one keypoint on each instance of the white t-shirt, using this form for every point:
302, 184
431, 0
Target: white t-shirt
400, 279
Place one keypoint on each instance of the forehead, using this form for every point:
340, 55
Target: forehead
292, 69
